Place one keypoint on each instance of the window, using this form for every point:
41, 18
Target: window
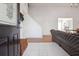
65, 24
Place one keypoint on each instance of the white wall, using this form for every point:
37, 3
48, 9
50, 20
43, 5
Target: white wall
29, 27
47, 16
24, 8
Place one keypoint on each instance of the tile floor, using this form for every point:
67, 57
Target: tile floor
44, 49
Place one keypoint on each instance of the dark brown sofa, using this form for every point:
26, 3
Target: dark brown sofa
68, 41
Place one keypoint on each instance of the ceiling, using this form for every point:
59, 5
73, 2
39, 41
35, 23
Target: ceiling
54, 4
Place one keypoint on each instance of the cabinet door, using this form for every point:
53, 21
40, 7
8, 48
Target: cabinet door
3, 46
11, 49
3, 50
16, 45
8, 13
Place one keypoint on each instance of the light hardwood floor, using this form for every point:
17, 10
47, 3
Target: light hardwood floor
46, 38
24, 42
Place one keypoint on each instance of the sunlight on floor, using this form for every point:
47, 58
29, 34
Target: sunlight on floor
44, 49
